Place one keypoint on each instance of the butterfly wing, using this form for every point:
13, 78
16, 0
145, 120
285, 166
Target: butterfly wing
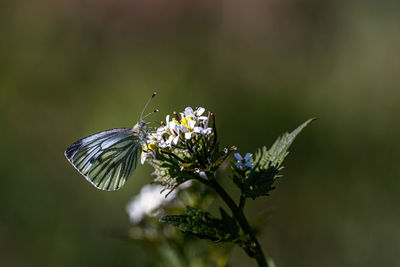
106, 159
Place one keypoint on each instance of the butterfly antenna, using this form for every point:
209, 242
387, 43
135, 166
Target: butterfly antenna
154, 111
148, 101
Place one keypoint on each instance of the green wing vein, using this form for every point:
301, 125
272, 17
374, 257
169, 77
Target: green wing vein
106, 159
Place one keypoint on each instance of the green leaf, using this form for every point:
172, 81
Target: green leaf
201, 224
168, 173
267, 164
278, 151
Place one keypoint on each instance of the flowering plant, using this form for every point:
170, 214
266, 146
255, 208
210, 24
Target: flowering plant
186, 155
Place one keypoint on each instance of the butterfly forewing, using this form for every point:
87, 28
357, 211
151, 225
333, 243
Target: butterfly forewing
106, 159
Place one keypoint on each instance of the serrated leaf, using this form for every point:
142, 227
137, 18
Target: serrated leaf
267, 164
278, 151
260, 182
168, 173
201, 224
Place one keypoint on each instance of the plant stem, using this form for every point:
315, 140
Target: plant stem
242, 202
173, 155
239, 215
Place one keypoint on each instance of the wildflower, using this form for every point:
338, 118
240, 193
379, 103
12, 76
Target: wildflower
194, 114
173, 128
202, 130
180, 128
187, 126
172, 140
197, 121
158, 137
243, 162
148, 202
148, 151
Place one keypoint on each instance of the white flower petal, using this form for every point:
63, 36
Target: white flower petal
191, 123
183, 128
143, 158
170, 138
147, 202
188, 135
199, 111
177, 128
189, 112
208, 131
202, 118
175, 140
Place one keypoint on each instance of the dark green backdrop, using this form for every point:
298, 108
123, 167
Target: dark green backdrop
72, 68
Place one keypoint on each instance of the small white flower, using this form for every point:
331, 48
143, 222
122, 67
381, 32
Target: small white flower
160, 137
151, 200
155, 137
202, 130
172, 140
243, 162
148, 202
176, 130
173, 128
148, 151
187, 126
144, 157
193, 114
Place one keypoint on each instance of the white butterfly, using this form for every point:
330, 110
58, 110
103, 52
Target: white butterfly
107, 159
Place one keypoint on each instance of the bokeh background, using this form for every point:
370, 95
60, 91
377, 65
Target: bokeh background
72, 68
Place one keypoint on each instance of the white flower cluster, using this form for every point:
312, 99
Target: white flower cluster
150, 201
147, 202
175, 131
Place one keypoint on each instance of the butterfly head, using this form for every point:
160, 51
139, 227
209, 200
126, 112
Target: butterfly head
140, 126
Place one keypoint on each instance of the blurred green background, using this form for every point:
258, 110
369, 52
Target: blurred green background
72, 68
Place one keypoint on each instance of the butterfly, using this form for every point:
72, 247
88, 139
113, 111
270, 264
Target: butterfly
107, 159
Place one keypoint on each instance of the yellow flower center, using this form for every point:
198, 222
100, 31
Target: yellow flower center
185, 121
150, 147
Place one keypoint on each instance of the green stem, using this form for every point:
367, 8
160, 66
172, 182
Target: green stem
173, 155
240, 217
242, 202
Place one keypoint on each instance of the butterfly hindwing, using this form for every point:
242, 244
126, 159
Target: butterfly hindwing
106, 159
